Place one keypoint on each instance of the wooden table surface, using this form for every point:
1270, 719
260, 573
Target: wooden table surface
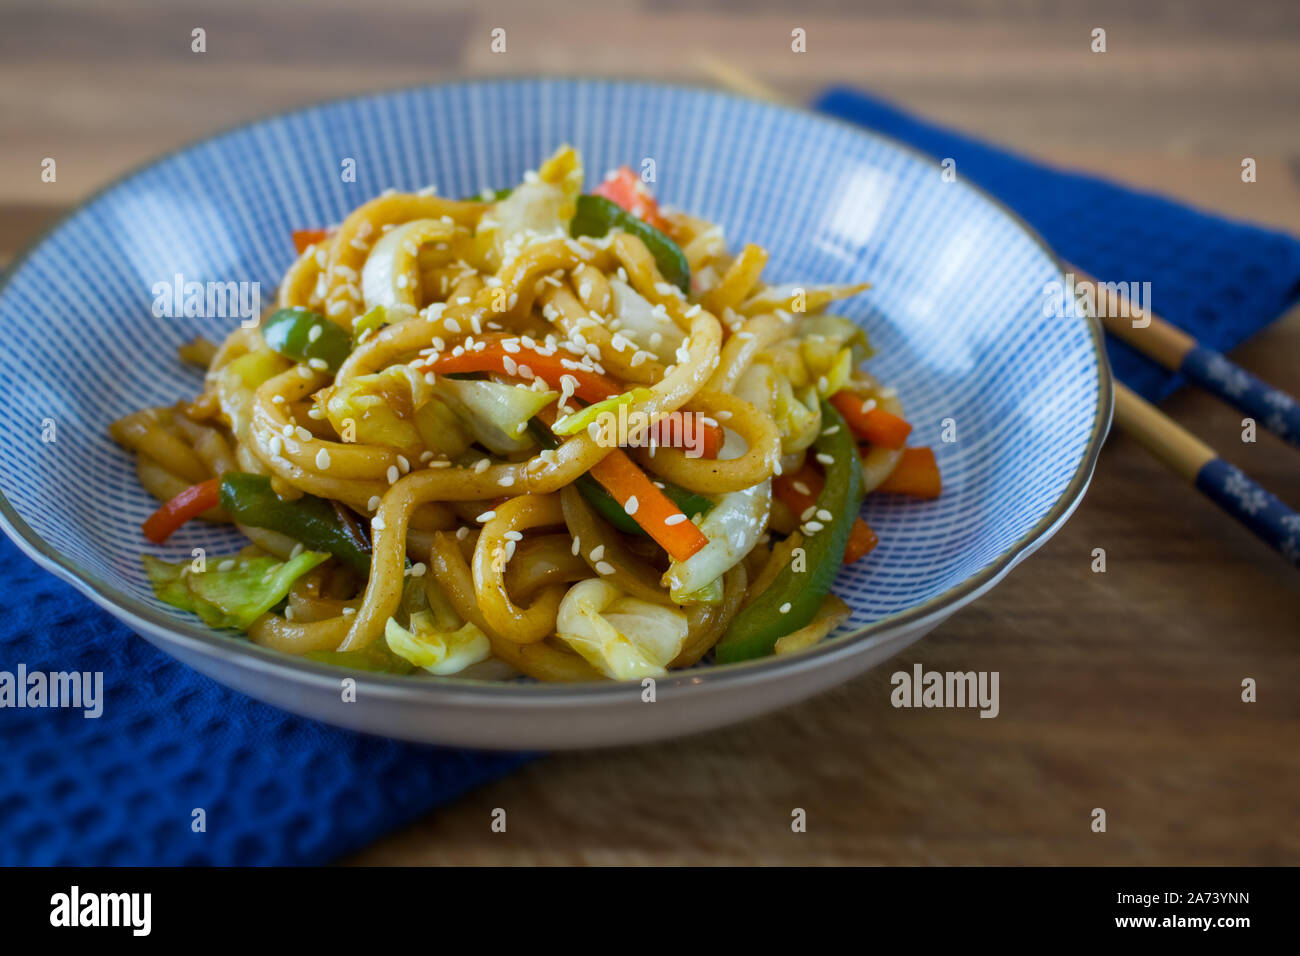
1118, 690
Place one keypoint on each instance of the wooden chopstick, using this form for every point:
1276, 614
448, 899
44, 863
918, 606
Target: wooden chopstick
1179, 352
1181, 451
1231, 489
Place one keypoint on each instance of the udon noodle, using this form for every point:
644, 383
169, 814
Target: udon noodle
539, 432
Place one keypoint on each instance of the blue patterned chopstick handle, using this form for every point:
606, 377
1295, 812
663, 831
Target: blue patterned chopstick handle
1258, 509
1275, 410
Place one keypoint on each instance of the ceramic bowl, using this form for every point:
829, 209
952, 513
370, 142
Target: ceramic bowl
956, 315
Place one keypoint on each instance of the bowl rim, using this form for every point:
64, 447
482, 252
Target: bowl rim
149, 620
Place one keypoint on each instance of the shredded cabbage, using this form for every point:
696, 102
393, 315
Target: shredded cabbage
647, 328
234, 597
391, 275
623, 637
378, 409
575, 422
733, 527
438, 652
539, 208
497, 414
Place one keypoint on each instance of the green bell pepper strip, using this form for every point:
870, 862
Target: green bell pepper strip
311, 520
293, 333
490, 195
756, 629
603, 502
597, 215
375, 319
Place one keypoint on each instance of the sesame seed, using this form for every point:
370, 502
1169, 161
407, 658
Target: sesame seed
824, 515
418, 569
631, 505
322, 459
403, 464
785, 608
318, 364
577, 546
481, 466
598, 552
485, 517
825, 459
393, 474
604, 567
373, 503
226, 565
802, 488
377, 523
513, 536
675, 519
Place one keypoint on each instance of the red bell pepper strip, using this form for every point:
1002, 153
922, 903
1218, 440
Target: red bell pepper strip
493, 357
710, 437
627, 190
190, 503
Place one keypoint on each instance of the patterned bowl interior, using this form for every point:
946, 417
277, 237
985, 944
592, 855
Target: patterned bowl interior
956, 314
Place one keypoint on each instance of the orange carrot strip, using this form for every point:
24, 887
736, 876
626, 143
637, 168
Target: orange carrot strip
190, 503
302, 238
917, 474
874, 424
648, 506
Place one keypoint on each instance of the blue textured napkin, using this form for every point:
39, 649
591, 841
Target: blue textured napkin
121, 789
1218, 280
279, 789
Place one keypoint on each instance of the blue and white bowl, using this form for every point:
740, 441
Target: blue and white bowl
956, 314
